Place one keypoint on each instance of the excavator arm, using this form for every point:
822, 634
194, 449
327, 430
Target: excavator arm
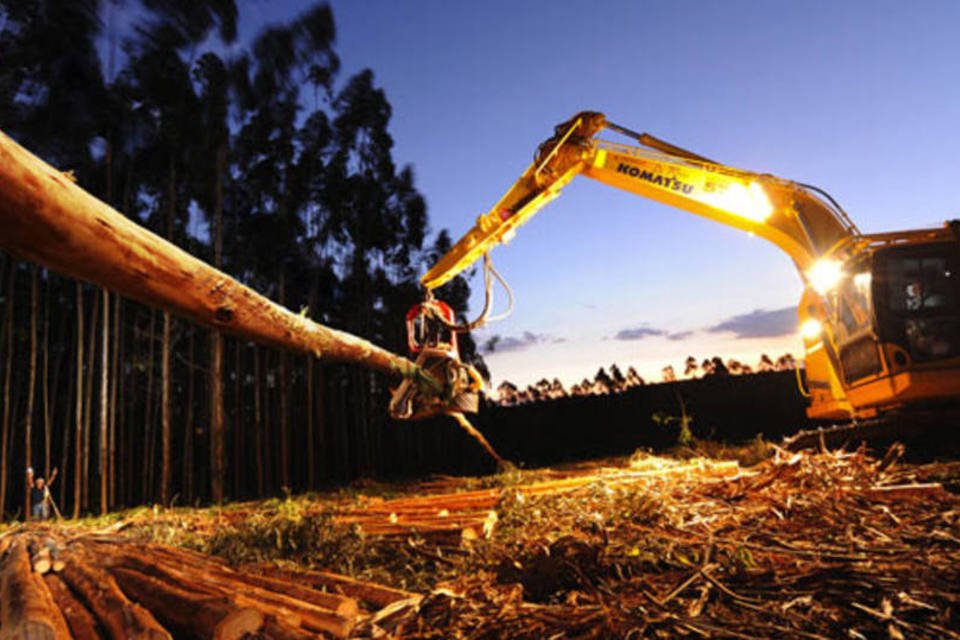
806, 224
802, 220
879, 314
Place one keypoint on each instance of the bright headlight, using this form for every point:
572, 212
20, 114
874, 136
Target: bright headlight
811, 328
748, 201
824, 275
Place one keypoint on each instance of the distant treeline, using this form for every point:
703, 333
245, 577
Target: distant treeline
728, 408
264, 162
615, 381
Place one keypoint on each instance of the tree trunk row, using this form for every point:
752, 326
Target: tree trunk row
48, 220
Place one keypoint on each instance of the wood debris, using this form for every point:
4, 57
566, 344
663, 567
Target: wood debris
812, 546
806, 545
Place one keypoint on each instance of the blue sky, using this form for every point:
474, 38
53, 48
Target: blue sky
859, 98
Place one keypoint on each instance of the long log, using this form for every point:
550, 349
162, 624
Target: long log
120, 617
49, 220
370, 593
220, 574
290, 610
187, 613
82, 624
28, 610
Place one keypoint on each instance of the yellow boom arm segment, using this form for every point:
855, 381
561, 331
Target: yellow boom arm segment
790, 215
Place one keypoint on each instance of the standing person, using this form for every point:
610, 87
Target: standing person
38, 498
40, 495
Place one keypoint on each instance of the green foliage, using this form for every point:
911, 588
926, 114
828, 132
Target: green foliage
685, 419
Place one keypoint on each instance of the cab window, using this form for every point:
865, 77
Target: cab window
920, 293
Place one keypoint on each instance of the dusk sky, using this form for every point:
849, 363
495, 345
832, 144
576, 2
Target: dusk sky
859, 98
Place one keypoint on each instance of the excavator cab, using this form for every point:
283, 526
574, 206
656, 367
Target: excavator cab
894, 329
432, 340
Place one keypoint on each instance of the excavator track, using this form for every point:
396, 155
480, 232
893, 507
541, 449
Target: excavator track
933, 433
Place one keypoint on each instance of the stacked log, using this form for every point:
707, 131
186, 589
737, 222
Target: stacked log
374, 595
473, 514
28, 610
100, 586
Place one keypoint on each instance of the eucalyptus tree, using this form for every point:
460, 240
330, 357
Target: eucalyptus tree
210, 174
51, 92
274, 171
160, 66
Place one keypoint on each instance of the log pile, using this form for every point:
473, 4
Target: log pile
102, 586
473, 514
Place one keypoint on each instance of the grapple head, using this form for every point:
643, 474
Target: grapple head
432, 339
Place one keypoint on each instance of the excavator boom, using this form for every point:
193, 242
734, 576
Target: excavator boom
794, 217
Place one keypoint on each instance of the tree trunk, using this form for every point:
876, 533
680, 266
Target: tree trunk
216, 346
103, 443
58, 412
165, 412
165, 381
237, 438
8, 370
31, 386
267, 452
123, 448
65, 443
284, 422
321, 413
45, 379
216, 417
148, 414
114, 383
257, 420
88, 401
78, 418
188, 427
104, 397
95, 243
311, 458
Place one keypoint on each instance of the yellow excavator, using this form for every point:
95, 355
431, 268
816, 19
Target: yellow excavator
879, 314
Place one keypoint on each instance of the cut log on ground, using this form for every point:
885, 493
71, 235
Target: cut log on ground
28, 610
291, 611
115, 587
187, 613
82, 624
375, 595
213, 573
121, 618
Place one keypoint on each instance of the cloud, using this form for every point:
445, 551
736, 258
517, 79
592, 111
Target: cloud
502, 344
639, 333
760, 324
